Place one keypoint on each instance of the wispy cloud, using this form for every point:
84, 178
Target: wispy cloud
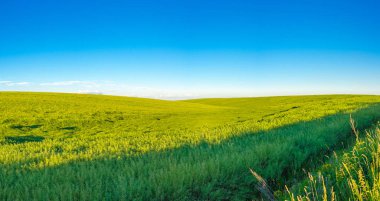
101, 87
11, 83
124, 89
90, 92
69, 83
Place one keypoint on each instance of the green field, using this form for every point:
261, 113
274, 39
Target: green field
95, 147
353, 174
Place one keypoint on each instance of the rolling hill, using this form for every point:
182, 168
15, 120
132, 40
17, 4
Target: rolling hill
93, 147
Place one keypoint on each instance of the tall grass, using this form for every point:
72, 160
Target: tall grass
86, 147
353, 176
205, 171
39, 130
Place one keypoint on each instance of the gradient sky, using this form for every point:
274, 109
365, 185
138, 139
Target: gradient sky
186, 49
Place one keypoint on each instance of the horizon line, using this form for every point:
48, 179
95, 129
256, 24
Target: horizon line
195, 98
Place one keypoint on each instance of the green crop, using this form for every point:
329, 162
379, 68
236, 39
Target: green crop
91, 147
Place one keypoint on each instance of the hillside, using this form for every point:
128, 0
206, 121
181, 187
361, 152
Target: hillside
46, 137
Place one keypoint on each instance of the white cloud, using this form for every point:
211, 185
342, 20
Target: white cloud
90, 92
11, 84
69, 83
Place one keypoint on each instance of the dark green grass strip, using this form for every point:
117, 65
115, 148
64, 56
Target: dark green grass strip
202, 172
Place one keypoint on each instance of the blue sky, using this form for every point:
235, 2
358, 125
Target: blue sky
187, 49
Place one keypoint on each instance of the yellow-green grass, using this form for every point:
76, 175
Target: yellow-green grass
89, 147
351, 175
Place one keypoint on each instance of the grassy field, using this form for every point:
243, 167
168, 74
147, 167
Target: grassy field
353, 174
91, 147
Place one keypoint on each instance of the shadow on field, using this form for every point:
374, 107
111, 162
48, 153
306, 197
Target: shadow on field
69, 128
27, 127
22, 139
197, 172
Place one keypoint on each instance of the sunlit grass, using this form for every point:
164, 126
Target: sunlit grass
354, 175
87, 127
88, 147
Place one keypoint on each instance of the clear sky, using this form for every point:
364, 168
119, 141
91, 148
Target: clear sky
192, 48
